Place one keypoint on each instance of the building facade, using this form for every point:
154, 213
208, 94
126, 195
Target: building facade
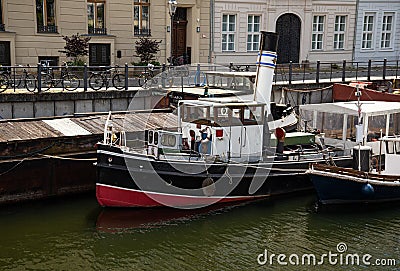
309, 30
32, 31
377, 23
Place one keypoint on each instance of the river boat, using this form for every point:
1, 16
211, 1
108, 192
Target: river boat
365, 182
370, 92
223, 150
338, 185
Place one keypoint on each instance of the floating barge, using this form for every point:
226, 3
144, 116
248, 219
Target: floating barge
41, 158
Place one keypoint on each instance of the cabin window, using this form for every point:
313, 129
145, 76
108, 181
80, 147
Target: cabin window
331, 124
252, 115
394, 124
352, 121
222, 116
168, 140
196, 114
155, 138
150, 137
375, 124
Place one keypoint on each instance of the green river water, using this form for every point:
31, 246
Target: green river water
77, 234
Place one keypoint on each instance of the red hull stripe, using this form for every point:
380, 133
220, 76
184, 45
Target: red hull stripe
113, 196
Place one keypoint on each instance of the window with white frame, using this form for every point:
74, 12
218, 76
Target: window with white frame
339, 33
387, 28
318, 32
141, 18
228, 32
253, 29
368, 28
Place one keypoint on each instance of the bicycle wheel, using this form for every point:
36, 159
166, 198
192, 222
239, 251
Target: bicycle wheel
46, 81
3, 82
96, 81
118, 81
142, 81
70, 82
30, 83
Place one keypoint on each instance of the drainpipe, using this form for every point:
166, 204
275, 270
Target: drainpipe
355, 32
211, 43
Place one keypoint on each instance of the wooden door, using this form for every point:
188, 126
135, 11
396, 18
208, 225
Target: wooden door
179, 39
179, 30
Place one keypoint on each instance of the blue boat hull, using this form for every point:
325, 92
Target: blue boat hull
331, 190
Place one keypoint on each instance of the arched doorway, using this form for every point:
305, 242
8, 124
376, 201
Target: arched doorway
288, 26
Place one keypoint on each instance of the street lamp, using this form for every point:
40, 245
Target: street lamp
172, 5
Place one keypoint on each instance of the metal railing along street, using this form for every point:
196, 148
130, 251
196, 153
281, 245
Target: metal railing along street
42, 78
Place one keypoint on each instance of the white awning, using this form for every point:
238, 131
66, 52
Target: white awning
368, 108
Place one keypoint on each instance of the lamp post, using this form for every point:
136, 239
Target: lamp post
172, 5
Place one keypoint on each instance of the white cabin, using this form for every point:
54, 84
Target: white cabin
226, 128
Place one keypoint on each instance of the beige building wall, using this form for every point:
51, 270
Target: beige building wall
306, 10
241, 9
71, 18
270, 11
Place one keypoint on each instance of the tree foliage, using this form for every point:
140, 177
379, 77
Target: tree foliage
146, 49
76, 46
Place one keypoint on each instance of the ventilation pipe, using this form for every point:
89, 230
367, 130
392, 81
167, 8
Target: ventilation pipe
266, 62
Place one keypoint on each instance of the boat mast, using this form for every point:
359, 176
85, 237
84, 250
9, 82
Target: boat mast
359, 128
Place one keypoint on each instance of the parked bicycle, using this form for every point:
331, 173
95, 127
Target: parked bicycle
99, 79
67, 80
146, 78
15, 80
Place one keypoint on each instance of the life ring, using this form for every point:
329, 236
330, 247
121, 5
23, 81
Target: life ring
208, 187
374, 162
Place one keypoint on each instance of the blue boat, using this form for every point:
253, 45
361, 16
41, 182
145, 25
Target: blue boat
337, 185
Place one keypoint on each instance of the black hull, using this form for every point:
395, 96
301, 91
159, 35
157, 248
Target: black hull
117, 170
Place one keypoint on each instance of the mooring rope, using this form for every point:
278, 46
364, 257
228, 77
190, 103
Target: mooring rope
14, 167
68, 158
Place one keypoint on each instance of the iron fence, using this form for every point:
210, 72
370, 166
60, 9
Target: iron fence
315, 72
42, 78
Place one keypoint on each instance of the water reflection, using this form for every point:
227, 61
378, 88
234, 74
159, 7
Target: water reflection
122, 219
79, 235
